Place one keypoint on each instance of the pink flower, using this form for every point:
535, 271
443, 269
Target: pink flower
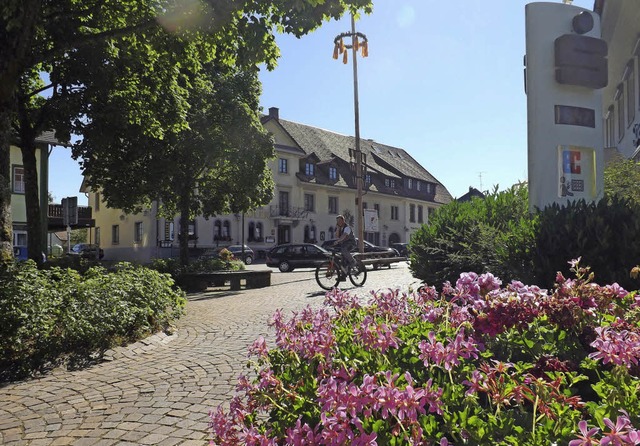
587, 437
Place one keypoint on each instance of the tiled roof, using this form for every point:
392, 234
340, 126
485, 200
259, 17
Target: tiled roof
389, 161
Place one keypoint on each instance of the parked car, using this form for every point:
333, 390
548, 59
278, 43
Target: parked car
368, 247
236, 250
290, 256
402, 248
87, 251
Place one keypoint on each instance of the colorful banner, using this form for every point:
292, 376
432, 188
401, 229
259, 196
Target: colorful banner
576, 172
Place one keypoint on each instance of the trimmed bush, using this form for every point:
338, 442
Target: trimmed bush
604, 235
47, 315
492, 234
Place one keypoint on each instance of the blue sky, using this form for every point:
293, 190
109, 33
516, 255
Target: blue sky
443, 81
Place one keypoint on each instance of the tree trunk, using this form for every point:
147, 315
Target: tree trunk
32, 201
6, 232
17, 28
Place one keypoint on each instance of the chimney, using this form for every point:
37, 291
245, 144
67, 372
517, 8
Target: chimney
274, 112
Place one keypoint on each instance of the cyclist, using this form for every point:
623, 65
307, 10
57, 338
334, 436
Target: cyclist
346, 241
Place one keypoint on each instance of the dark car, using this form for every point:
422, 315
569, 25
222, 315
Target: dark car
290, 256
87, 251
368, 248
402, 248
236, 250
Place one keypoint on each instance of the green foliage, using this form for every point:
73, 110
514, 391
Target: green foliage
142, 55
491, 234
47, 315
622, 180
604, 234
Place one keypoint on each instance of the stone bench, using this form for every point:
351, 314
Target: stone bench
201, 281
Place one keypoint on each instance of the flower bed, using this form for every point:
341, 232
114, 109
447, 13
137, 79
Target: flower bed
477, 364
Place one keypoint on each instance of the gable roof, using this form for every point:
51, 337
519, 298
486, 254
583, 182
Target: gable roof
389, 161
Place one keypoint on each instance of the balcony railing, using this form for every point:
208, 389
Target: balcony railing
291, 212
54, 215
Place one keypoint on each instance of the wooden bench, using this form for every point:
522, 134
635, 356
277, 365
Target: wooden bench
201, 281
378, 259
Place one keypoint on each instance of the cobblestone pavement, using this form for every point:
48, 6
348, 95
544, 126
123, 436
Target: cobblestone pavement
159, 391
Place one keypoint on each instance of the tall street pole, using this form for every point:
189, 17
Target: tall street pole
358, 42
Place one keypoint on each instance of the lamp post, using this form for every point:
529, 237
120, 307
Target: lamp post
358, 42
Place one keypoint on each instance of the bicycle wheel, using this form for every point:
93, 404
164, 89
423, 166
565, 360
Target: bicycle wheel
358, 274
327, 276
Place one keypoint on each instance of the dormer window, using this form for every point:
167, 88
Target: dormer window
309, 169
387, 182
333, 173
392, 183
409, 183
367, 178
418, 185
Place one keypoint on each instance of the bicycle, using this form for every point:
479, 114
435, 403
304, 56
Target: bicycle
329, 274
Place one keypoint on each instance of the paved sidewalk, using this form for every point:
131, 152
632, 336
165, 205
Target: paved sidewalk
159, 391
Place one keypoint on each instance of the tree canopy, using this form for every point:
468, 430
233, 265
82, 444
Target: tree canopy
143, 51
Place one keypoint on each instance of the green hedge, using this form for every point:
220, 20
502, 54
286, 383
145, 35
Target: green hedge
498, 234
54, 314
492, 234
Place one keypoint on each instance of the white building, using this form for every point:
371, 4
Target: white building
313, 183
620, 24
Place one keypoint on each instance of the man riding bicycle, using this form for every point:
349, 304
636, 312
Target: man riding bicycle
346, 241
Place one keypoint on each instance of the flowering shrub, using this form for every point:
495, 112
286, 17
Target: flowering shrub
478, 364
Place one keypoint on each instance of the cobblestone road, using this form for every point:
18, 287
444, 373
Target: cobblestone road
159, 391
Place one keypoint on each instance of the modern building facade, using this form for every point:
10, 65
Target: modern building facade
620, 24
314, 182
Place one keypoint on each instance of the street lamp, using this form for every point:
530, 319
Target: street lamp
359, 42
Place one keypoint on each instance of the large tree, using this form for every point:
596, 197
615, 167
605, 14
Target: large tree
217, 164
84, 46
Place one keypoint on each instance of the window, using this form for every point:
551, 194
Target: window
333, 173
258, 233
115, 234
309, 203
367, 178
19, 238
418, 185
217, 230
620, 109
412, 213
420, 218
377, 208
138, 232
394, 213
168, 230
192, 229
333, 205
97, 203
310, 234
98, 236
310, 169
409, 183
226, 230
631, 92
364, 205
387, 182
18, 179
283, 166
283, 199
392, 183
